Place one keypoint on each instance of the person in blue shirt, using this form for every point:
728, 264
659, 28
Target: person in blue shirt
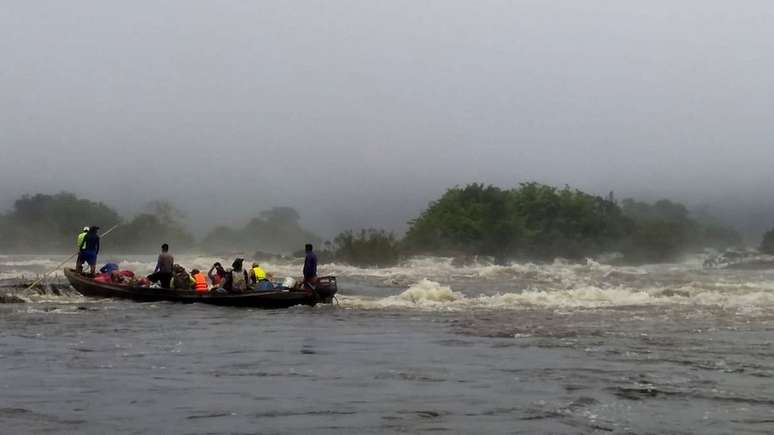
89, 251
109, 268
310, 267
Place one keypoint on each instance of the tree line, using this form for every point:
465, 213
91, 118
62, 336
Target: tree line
531, 221
44, 223
534, 221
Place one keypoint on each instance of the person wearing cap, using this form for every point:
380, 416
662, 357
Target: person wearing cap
89, 251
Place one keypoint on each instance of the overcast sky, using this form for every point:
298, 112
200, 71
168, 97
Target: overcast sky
359, 112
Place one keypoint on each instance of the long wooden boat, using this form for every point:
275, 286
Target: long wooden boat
276, 298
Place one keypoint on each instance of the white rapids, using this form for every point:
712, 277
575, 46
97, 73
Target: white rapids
433, 283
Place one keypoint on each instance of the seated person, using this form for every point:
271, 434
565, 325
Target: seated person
200, 281
181, 280
257, 274
108, 267
239, 278
217, 275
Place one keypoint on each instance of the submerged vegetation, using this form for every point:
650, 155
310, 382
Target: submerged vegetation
530, 221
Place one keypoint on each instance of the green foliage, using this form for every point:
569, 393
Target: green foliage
767, 244
532, 220
664, 230
661, 210
162, 223
280, 215
367, 248
277, 230
543, 222
566, 222
713, 233
719, 236
654, 241
221, 236
51, 222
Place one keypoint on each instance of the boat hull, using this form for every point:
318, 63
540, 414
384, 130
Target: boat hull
280, 298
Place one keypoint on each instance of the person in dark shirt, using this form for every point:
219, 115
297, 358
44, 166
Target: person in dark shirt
89, 251
164, 267
310, 267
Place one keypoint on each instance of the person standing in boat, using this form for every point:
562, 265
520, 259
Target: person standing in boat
81, 236
89, 251
310, 267
164, 267
79, 248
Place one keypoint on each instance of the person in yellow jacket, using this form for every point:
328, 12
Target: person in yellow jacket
257, 274
79, 246
81, 237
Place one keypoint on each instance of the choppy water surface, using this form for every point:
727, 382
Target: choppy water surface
425, 347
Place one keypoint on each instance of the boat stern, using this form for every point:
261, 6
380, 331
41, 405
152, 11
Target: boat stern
326, 288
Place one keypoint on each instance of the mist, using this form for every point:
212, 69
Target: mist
358, 114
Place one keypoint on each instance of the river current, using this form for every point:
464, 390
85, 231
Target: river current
425, 347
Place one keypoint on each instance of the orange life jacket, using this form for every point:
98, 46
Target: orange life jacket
201, 283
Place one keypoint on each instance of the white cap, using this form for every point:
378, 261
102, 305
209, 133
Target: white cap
85, 228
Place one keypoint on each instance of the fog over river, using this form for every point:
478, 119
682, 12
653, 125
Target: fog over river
426, 346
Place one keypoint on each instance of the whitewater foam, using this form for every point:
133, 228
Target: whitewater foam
439, 284
34, 262
428, 291
431, 295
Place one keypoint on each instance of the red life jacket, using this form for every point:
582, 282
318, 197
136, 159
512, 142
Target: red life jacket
201, 283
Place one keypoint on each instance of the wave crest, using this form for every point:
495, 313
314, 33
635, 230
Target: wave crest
429, 291
428, 294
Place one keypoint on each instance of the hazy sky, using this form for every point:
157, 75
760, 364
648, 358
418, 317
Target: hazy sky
359, 112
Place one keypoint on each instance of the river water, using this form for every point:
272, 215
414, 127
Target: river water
424, 347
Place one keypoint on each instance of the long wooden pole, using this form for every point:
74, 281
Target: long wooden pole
65, 261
